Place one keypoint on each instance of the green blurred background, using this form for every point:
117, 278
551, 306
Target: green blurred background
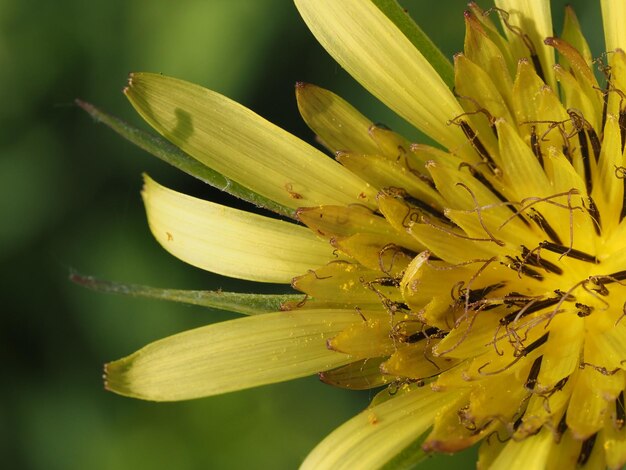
69, 199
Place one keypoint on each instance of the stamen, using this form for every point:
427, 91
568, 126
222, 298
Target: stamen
518, 265
479, 110
478, 210
549, 200
397, 251
620, 411
620, 173
534, 345
596, 146
535, 260
622, 126
584, 153
427, 333
534, 145
415, 203
531, 381
523, 36
532, 307
583, 309
476, 144
561, 427
610, 278
569, 252
543, 224
586, 449
485, 182
605, 101
424, 207
476, 295
601, 369
594, 213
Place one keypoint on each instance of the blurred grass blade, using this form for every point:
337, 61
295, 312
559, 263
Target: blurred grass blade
161, 148
402, 20
246, 304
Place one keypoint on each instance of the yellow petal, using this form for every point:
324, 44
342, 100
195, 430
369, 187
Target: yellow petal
535, 20
607, 188
614, 445
231, 355
522, 169
335, 121
592, 396
483, 51
416, 361
229, 241
374, 51
348, 283
360, 375
573, 34
375, 436
241, 145
376, 252
369, 338
381, 172
449, 432
332, 221
577, 98
614, 19
531, 452
558, 361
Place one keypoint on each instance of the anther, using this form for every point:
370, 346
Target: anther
531, 381
586, 449
620, 412
569, 252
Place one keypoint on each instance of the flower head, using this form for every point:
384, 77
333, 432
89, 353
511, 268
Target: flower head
482, 282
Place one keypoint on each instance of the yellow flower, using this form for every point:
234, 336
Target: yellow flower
482, 281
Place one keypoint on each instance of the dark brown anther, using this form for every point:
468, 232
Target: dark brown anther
531, 307
525, 351
586, 449
620, 412
427, 333
594, 213
609, 278
561, 427
623, 211
596, 146
531, 381
485, 182
569, 252
534, 145
584, 153
518, 265
622, 126
583, 310
543, 224
605, 99
535, 260
475, 295
477, 145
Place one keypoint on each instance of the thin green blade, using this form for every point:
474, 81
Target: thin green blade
161, 148
399, 17
246, 304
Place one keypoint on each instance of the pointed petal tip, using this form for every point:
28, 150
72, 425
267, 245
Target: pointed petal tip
105, 377
129, 84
